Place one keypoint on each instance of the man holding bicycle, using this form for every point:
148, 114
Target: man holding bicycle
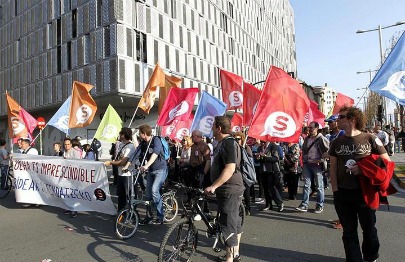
152, 147
228, 186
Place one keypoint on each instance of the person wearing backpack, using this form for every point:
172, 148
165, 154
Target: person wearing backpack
156, 163
227, 185
314, 152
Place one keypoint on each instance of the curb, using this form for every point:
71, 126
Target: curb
400, 178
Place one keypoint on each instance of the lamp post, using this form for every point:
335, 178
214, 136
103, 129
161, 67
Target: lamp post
379, 28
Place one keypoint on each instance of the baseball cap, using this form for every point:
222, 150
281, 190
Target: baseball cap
332, 118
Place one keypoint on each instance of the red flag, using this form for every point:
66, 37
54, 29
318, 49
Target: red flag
341, 100
251, 96
178, 129
30, 122
281, 109
83, 108
237, 123
178, 105
315, 115
231, 86
20, 122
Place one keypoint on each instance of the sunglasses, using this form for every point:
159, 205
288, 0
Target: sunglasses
342, 116
238, 138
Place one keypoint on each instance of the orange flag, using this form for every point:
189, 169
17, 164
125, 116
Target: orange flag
82, 108
17, 125
170, 81
148, 98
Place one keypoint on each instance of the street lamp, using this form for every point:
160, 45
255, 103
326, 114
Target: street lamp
379, 28
368, 71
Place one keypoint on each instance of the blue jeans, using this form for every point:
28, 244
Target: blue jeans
397, 146
315, 171
155, 180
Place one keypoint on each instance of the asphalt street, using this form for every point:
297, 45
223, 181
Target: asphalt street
37, 234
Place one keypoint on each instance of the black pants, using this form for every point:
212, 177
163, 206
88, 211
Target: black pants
115, 174
351, 208
259, 171
292, 179
246, 196
121, 192
272, 188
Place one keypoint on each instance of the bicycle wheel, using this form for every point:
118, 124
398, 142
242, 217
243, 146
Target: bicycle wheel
171, 207
180, 242
126, 223
6, 188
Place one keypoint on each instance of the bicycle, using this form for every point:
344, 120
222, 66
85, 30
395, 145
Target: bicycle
128, 219
180, 241
8, 183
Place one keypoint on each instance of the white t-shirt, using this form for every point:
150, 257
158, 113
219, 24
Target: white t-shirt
383, 136
125, 150
31, 151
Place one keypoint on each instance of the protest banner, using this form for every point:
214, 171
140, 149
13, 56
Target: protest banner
76, 185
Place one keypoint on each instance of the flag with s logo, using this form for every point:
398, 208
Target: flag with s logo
110, 126
82, 107
251, 96
281, 109
178, 105
60, 119
20, 122
149, 94
231, 86
236, 123
208, 108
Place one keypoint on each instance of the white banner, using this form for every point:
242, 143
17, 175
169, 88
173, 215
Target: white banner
72, 184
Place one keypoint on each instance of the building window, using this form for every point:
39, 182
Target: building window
69, 55
141, 54
99, 12
59, 59
224, 22
74, 23
230, 9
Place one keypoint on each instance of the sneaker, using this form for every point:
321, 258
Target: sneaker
259, 200
157, 221
281, 208
67, 212
318, 209
223, 258
146, 221
197, 217
302, 208
73, 214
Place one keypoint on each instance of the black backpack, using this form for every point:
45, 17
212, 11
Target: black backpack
247, 168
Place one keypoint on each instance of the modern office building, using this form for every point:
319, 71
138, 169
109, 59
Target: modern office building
114, 44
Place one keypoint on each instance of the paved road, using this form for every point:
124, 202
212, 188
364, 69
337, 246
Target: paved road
35, 234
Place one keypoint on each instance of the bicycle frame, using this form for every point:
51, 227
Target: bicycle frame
212, 227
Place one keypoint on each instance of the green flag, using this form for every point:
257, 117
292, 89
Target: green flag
110, 126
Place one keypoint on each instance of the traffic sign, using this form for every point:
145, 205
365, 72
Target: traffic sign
41, 122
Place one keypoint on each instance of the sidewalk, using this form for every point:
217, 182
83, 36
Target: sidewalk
399, 176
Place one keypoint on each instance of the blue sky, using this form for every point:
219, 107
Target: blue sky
328, 48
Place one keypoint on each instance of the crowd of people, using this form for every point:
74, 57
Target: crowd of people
319, 158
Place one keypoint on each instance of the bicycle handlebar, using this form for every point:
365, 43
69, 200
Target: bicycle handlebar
197, 191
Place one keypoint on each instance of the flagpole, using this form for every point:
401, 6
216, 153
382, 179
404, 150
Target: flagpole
33, 140
132, 119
